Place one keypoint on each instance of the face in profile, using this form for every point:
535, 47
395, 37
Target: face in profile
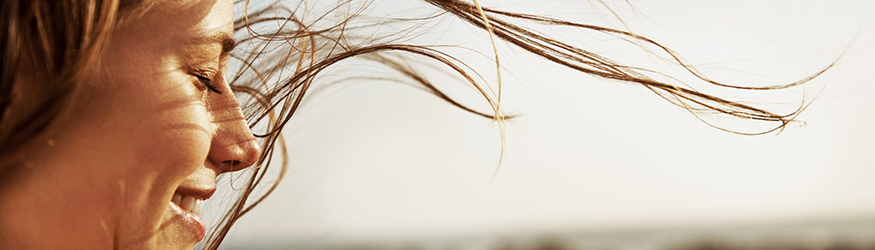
140, 151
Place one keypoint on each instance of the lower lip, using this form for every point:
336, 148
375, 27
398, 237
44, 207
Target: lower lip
189, 219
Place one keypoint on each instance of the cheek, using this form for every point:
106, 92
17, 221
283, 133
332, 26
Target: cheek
173, 131
152, 118
174, 149
156, 121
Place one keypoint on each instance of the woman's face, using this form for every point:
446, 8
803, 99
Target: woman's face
143, 146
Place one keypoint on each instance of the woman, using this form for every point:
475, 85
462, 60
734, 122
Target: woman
119, 115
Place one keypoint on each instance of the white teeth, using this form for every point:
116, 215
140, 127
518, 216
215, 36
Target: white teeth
176, 198
196, 206
187, 203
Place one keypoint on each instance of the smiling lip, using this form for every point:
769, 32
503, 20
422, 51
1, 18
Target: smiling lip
189, 219
187, 205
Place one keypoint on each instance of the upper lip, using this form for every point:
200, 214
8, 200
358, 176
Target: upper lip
196, 192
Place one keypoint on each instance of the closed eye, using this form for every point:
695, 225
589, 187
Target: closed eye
208, 83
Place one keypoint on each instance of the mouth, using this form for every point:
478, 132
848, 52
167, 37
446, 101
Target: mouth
188, 210
189, 203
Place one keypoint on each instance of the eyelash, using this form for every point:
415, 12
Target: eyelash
208, 83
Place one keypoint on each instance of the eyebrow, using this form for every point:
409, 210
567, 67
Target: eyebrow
228, 43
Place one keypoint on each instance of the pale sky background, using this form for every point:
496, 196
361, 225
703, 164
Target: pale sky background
382, 161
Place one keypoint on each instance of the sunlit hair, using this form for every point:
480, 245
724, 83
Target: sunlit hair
283, 50
49, 44
288, 47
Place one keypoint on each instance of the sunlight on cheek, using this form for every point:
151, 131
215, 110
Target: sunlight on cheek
178, 130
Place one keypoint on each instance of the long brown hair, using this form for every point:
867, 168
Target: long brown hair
53, 43
291, 51
50, 44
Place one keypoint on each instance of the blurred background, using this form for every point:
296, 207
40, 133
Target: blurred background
590, 163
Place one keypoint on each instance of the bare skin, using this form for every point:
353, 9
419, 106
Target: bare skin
147, 128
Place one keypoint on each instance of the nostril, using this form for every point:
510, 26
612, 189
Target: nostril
233, 147
234, 165
233, 156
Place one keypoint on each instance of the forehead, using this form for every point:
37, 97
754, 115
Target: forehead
189, 17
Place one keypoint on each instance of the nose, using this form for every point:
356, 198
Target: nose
233, 146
